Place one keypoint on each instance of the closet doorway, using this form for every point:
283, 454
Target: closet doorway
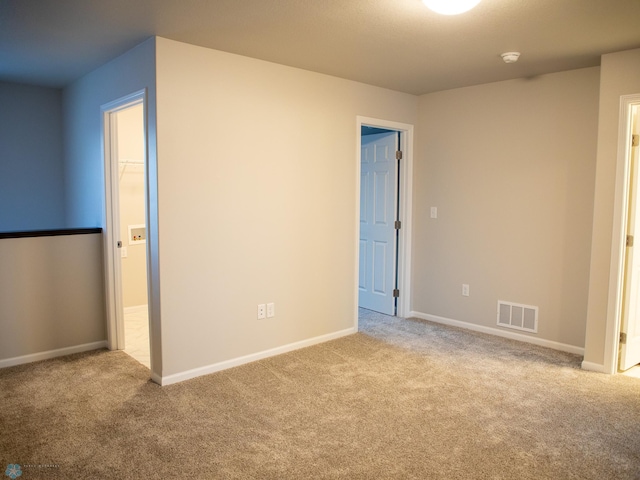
396, 179
125, 162
131, 187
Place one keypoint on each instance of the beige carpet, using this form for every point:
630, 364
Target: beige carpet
402, 399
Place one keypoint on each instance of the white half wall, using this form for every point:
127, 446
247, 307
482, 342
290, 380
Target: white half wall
51, 297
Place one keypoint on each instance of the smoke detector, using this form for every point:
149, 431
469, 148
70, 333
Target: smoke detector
510, 57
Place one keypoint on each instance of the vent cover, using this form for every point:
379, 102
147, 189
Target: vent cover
518, 316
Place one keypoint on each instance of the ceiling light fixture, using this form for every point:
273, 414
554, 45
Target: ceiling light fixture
510, 57
450, 7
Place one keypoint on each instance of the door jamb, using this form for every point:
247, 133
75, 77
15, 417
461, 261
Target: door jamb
621, 207
405, 204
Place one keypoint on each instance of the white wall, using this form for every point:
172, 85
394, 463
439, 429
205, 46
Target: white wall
620, 76
31, 162
83, 147
257, 201
510, 167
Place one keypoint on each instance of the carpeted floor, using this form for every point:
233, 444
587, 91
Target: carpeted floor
402, 399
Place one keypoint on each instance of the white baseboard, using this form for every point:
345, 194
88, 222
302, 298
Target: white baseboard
500, 333
136, 309
156, 378
235, 362
35, 357
593, 367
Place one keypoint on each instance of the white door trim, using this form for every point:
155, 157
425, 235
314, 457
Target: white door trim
621, 205
404, 237
113, 266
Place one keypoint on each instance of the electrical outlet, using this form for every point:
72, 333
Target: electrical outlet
465, 290
262, 311
271, 310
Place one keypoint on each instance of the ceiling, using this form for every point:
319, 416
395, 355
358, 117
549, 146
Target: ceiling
397, 44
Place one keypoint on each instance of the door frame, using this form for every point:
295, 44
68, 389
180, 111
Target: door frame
112, 261
405, 208
618, 250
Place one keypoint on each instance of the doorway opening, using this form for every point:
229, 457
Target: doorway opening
126, 248
385, 161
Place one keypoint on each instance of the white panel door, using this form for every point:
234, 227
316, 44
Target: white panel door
378, 194
630, 327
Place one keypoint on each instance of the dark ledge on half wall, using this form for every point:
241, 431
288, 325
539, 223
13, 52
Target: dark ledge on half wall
50, 233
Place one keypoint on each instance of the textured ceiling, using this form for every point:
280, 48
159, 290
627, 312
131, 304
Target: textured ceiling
397, 44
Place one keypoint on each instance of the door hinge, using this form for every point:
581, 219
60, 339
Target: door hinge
629, 240
635, 140
398, 154
396, 293
623, 338
397, 225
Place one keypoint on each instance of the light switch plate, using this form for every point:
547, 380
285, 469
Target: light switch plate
434, 212
271, 310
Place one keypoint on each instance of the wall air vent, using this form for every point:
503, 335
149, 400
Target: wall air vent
518, 316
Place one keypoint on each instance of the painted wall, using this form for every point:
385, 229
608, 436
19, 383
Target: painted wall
266, 216
84, 168
82, 100
620, 75
132, 203
31, 161
50, 290
510, 167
